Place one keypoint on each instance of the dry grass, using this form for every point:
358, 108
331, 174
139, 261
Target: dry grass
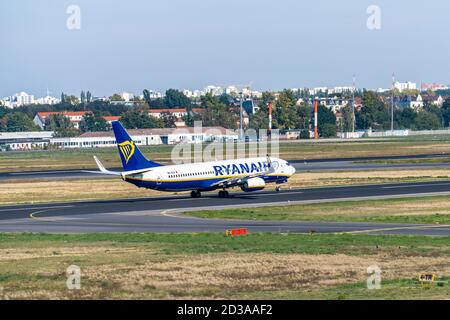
137, 272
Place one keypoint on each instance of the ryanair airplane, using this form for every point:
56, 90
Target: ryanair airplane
250, 174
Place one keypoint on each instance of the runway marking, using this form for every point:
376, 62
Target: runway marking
42, 172
187, 199
418, 227
34, 208
417, 185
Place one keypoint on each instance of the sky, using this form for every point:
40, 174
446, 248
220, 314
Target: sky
159, 44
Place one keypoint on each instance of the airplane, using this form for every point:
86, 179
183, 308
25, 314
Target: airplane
250, 174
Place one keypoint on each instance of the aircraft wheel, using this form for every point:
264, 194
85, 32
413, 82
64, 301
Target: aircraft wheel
195, 194
223, 194
278, 189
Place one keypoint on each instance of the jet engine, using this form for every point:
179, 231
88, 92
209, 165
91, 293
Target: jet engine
253, 184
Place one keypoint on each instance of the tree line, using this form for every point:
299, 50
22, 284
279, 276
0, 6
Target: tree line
224, 110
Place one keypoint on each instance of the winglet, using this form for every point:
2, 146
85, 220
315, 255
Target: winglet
100, 165
102, 169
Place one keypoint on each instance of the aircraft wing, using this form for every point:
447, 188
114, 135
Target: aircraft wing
232, 182
103, 170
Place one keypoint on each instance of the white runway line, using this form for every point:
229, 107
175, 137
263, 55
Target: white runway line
418, 185
36, 208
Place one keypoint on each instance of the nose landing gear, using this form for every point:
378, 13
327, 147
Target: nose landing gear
223, 194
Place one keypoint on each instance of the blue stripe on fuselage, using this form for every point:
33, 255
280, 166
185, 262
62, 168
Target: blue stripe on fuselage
190, 184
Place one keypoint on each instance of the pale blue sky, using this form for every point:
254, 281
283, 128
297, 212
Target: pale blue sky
132, 45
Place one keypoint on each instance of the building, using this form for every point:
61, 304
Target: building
75, 117
402, 86
413, 102
110, 119
178, 113
433, 100
335, 103
18, 100
48, 100
214, 90
24, 140
147, 137
433, 86
127, 96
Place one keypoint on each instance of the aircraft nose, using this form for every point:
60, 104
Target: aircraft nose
292, 169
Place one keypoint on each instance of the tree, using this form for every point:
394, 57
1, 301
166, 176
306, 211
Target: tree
347, 118
216, 113
190, 118
157, 103
83, 97
326, 119
374, 113
146, 94
328, 130
116, 97
446, 112
168, 120
405, 118
61, 125
92, 122
139, 119
17, 122
285, 112
88, 97
176, 99
426, 121
72, 100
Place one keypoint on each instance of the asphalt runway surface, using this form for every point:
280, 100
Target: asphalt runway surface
163, 214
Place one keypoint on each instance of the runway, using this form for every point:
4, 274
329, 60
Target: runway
162, 214
335, 164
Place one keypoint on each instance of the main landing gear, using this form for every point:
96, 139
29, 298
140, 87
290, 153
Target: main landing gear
196, 194
278, 189
223, 194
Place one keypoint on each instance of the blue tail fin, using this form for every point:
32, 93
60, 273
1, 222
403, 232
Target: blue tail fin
132, 157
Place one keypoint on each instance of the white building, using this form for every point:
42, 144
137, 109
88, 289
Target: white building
214, 90
231, 90
48, 100
18, 100
417, 103
402, 86
146, 137
315, 91
127, 96
24, 140
188, 93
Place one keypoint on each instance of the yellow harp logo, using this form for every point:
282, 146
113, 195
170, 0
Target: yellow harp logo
127, 149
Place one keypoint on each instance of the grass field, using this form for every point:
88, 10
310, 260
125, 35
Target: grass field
186, 266
82, 158
33, 191
422, 210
